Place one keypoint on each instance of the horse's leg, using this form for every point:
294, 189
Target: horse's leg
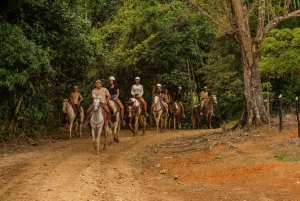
70, 129
130, 125
174, 123
99, 130
136, 125
144, 124
210, 121
118, 132
106, 133
157, 123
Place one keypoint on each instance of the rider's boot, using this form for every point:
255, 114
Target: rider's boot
79, 119
87, 121
146, 114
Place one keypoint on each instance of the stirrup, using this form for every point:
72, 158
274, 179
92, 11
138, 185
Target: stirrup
123, 122
146, 114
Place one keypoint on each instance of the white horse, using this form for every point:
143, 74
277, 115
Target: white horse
71, 116
159, 114
116, 119
97, 122
135, 110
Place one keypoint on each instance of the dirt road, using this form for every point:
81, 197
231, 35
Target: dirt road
176, 165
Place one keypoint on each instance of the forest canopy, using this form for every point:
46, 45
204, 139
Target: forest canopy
47, 47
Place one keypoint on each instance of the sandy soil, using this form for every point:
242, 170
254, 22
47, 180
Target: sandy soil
173, 166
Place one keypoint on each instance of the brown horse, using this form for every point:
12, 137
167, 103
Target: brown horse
207, 111
135, 111
116, 119
175, 113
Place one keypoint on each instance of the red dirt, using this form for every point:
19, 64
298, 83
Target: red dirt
170, 166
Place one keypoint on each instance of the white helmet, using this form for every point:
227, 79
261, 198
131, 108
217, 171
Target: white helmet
137, 78
179, 88
158, 85
112, 78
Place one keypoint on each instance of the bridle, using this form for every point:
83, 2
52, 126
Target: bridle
158, 103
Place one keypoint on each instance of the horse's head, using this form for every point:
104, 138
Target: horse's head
131, 101
214, 99
156, 99
96, 104
65, 105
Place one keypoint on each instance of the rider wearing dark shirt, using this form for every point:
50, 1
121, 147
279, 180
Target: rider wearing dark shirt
177, 98
160, 93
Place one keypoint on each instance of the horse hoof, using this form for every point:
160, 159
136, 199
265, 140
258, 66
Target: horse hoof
117, 140
110, 144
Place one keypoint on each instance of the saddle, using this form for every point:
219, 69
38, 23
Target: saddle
73, 106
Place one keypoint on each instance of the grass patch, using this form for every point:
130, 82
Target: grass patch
284, 157
5, 196
141, 160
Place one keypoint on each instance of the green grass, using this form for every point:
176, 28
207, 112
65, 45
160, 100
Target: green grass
5, 196
284, 157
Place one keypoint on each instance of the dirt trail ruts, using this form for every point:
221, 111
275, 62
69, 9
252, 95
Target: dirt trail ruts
70, 170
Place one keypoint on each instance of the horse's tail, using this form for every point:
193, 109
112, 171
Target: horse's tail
193, 117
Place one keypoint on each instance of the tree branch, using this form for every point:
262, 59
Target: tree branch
278, 19
217, 22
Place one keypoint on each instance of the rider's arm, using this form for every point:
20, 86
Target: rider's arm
142, 91
132, 93
80, 98
118, 93
107, 94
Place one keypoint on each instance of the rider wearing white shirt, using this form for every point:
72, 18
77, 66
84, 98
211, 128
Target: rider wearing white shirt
138, 91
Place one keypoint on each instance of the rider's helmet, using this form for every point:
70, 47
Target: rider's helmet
179, 88
137, 78
112, 78
158, 85
205, 87
75, 87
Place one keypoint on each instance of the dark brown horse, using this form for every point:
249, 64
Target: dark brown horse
175, 113
207, 111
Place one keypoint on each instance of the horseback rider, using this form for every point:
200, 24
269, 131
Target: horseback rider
160, 93
104, 95
203, 97
114, 92
76, 99
177, 98
137, 91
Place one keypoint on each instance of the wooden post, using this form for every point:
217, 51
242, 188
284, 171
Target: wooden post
280, 113
297, 115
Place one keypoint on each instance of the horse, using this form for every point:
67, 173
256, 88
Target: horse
159, 114
116, 119
135, 110
97, 122
175, 113
207, 111
71, 117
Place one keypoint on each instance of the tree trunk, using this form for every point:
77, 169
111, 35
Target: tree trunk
256, 113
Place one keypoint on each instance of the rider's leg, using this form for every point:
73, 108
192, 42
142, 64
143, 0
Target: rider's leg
88, 112
182, 109
106, 109
121, 108
145, 106
166, 108
121, 111
78, 113
202, 103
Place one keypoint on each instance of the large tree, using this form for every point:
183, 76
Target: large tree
249, 22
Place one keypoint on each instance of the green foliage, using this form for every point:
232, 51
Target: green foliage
280, 62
